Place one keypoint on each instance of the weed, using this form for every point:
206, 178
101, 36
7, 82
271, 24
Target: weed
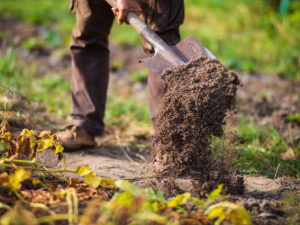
10, 76
2, 35
266, 95
32, 43
122, 112
263, 152
294, 118
292, 207
139, 76
116, 64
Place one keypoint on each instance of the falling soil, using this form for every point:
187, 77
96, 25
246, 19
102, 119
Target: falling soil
196, 99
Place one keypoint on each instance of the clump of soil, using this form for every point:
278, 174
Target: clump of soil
197, 97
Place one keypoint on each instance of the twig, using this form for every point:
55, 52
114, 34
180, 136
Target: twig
140, 156
128, 149
135, 154
127, 156
277, 170
196, 100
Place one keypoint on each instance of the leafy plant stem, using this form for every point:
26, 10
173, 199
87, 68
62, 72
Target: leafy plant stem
32, 162
39, 168
4, 206
47, 219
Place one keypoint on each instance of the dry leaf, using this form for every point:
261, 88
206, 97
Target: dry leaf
4, 128
72, 182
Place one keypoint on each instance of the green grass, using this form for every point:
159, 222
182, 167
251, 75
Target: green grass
261, 153
123, 112
51, 89
244, 35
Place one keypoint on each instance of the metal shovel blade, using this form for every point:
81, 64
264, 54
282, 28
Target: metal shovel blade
186, 50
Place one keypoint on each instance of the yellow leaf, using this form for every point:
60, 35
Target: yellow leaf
36, 182
45, 134
239, 216
72, 182
154, 206
92, 180
3, 177
179, 200
215, 193
58, 149
107, 183
19, 176
235, 214
7, 136
216, 212
127, 186
26, 132
5, 127
44, 144
84, 170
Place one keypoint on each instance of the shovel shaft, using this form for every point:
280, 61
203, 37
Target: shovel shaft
146, 32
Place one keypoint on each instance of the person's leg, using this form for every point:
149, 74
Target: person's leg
164, 17
90, 72
155, 84
90, 64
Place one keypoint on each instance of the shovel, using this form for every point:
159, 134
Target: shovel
165, 56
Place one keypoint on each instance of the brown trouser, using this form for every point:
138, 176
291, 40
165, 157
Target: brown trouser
90, 55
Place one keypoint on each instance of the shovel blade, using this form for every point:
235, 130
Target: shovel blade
187, 49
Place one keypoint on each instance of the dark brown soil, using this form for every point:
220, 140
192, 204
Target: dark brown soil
196, 99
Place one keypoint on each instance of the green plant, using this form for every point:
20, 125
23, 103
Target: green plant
122, 112
52, 38
263, 150
20, 78
266, 95
2, 35
32, 43
10, 75
116, 64
137, 206
294, 118
139, 76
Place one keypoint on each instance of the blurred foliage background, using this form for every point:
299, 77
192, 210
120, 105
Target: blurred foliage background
259, 36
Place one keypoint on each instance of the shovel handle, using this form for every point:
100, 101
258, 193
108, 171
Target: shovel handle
131, 18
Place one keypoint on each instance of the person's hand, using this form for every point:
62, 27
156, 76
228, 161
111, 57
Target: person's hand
126, 6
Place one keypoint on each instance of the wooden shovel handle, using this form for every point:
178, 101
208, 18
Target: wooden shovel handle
131, 18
